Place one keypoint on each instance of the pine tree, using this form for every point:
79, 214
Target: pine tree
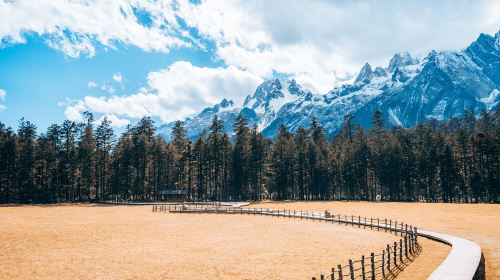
104, 143
241, 159
26, 162
87, 157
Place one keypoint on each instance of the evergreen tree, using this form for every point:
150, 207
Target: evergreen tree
104, 143
436, 161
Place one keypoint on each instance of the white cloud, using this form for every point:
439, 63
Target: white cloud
109, 89
92, 84
3, 94
74, 27
319, 43
323, 41
73, 110
173, 93
117, 77
115, 121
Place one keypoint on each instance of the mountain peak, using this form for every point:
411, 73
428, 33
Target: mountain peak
271, 90
226, 103
379, 72
484, 43
401, 59
485, 40
365, 74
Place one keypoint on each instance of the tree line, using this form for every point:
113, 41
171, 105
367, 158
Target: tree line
436, 161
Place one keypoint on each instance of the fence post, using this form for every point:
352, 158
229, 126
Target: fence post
322, 277
401, 229
416, 235
388, 257
345, 218
314, 278
390, 226
364, 225
332, 275
395, 253
341, 275
371, 222
410, 233
406, 245
351, 270
378, 224
385, 225
412, 242
363, 267
383, 263
359, 221
352, 220
409, 242
372, 259
401, 250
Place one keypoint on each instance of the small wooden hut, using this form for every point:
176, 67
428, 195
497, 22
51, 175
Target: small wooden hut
172, 195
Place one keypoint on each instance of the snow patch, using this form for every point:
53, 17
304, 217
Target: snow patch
394, 118
491, 100
438, 111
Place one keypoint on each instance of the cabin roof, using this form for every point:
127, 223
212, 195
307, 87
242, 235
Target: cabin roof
172, 192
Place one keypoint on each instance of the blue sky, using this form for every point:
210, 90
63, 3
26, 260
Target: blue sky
39, 79
170, 59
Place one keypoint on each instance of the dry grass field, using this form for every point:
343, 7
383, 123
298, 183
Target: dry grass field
90, 241
130, 242
477, 222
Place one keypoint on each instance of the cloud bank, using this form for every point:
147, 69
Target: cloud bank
75, 27
319, 43
172, 93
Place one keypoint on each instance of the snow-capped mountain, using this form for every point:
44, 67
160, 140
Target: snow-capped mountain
260, 108
408, 90
269, 98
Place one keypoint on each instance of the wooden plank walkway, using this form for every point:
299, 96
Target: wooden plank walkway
462, 262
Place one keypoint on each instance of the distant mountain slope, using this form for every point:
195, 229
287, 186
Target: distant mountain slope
260, 108
407, 91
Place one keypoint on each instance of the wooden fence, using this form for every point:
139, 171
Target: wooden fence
385, 264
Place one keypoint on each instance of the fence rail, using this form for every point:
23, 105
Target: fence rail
384, 265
